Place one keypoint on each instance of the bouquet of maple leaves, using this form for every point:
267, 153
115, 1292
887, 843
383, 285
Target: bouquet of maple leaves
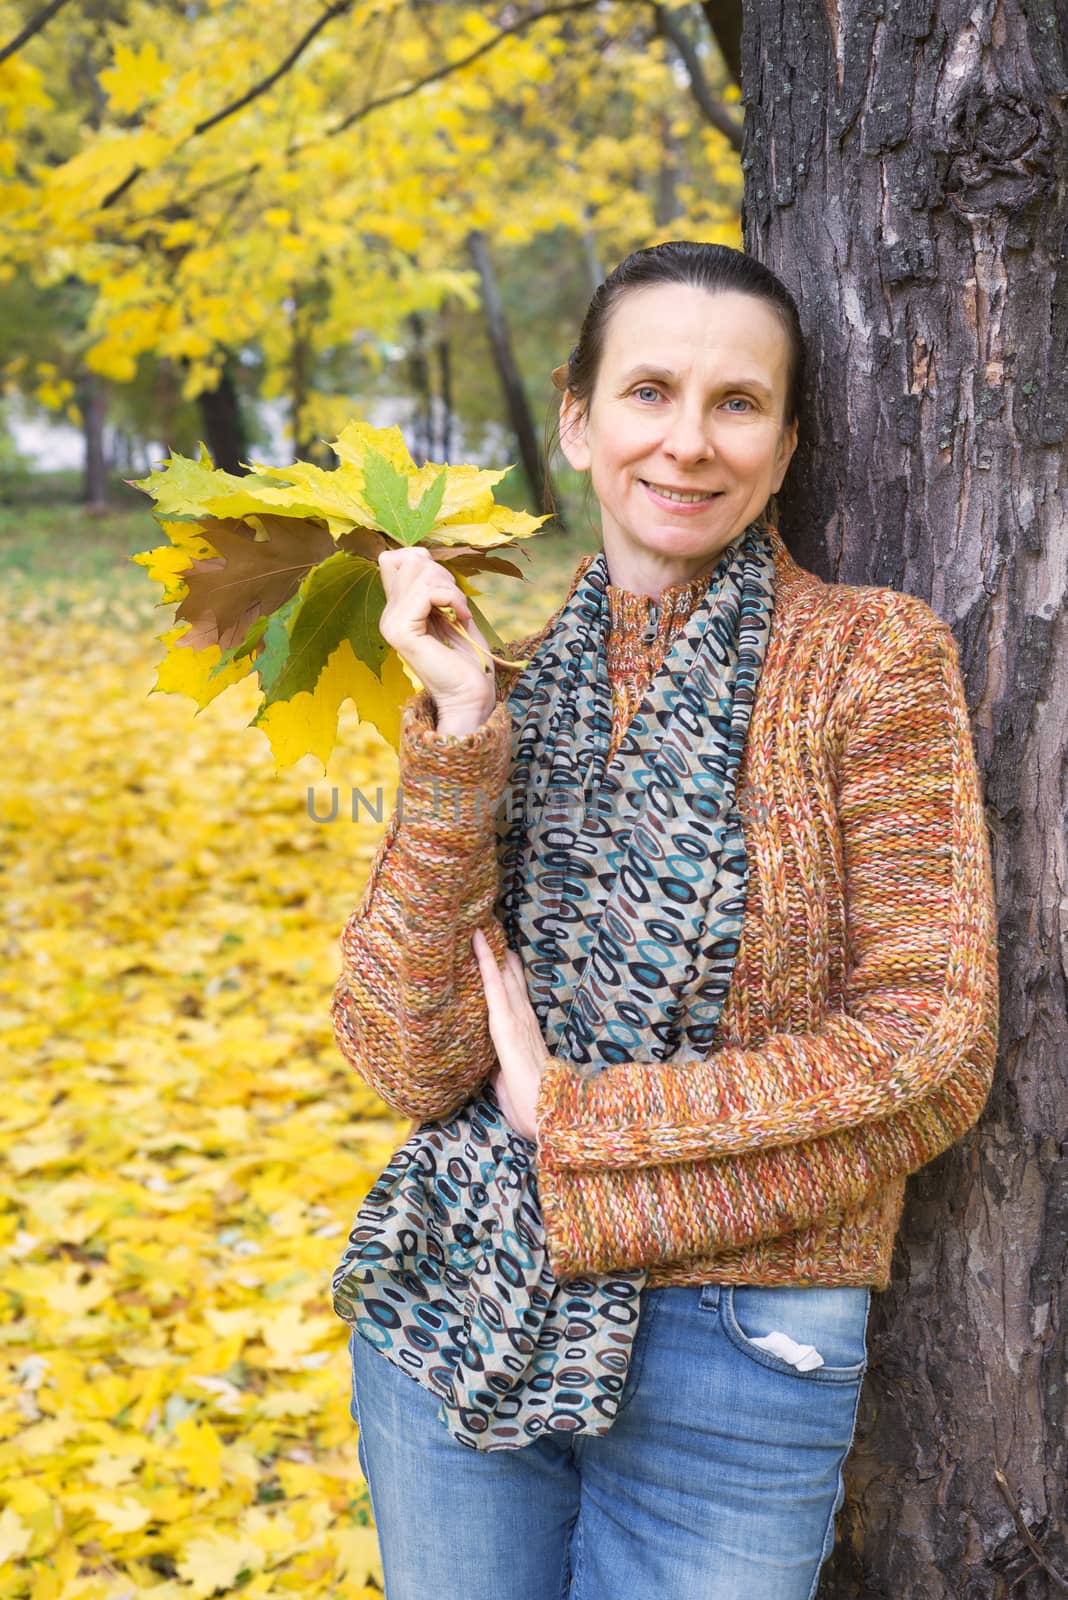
276, 573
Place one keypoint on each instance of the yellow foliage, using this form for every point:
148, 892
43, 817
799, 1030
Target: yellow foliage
137, 75
187, 1147
54, 393
226, 229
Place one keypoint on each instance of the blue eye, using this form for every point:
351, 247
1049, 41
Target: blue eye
648, 388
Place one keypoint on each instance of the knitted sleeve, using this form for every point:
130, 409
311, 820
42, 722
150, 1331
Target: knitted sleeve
692, 1157
409, 1011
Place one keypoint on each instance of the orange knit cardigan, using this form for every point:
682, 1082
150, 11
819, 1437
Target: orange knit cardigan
859, 1035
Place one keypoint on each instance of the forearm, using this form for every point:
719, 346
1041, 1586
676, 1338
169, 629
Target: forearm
603, 1220
408, 1009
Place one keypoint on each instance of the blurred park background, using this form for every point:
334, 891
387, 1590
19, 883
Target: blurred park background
246, 223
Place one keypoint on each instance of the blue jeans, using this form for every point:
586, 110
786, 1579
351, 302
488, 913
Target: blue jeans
718, 1480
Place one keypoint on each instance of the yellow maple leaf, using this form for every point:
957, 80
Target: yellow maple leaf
289, 1403
15, 1537
166, 563
289, 1335
110, 1470
214, 1562
122, 1516
199, 1452
134, 77
62, 1290
184, 671
358, 1554
307, 724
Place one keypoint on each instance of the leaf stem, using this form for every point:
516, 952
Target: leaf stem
487, 656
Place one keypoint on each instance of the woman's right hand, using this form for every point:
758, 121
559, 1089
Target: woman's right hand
452, 673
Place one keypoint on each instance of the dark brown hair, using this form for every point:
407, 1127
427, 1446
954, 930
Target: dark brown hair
715, 267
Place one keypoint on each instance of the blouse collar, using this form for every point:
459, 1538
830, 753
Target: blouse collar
633, 617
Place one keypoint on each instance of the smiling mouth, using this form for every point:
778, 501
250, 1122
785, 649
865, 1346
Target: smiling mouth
682, 496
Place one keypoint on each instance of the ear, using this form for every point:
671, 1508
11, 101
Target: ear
573, 433
787, 446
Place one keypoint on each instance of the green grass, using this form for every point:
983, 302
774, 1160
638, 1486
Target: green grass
56, 559
60, 555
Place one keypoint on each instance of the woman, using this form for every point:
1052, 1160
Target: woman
680, 950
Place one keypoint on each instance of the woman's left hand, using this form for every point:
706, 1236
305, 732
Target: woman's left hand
516, 1036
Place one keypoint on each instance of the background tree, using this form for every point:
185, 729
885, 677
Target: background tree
231, 192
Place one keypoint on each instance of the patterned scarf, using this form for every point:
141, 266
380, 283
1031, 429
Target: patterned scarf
625, 903
623, 890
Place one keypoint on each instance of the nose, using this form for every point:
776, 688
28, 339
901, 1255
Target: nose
687, 438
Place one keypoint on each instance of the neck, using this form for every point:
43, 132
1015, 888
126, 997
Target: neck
647, 573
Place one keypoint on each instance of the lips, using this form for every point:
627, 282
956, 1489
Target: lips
681, 508
654, 486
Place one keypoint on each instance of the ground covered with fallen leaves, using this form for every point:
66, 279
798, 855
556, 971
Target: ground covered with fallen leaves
184, 1147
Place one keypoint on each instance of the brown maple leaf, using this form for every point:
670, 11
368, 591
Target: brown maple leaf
250, 577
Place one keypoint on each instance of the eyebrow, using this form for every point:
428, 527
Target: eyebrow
665, 373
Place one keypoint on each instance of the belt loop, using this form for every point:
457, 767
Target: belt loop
709, 1296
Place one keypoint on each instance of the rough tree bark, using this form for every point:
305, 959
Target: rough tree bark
906, 176
447, 431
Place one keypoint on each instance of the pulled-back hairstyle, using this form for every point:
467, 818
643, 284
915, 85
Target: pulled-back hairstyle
715, 267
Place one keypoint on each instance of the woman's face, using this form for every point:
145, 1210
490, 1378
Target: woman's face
690, 396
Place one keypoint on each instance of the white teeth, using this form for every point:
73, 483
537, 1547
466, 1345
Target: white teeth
684, 499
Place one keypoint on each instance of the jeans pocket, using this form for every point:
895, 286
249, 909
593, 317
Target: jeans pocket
833, 1320
649, 1304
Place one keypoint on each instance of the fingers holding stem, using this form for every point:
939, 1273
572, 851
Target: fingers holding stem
486, 656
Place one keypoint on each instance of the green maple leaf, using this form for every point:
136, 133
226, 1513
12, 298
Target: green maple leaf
238, 652
272, 658
385, 491
341, 598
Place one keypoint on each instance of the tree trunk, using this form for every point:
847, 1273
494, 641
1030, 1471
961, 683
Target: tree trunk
905, 175
299, 359
592, 256
447, 419
724, 17
515, 398
422, 441
224, 428
167, 399
93, 404
666, 201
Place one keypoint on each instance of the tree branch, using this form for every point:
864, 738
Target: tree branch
34, 25
272, 78
246, 99
452, 66
669, 28
1025, 1533
724, 18
369, 105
